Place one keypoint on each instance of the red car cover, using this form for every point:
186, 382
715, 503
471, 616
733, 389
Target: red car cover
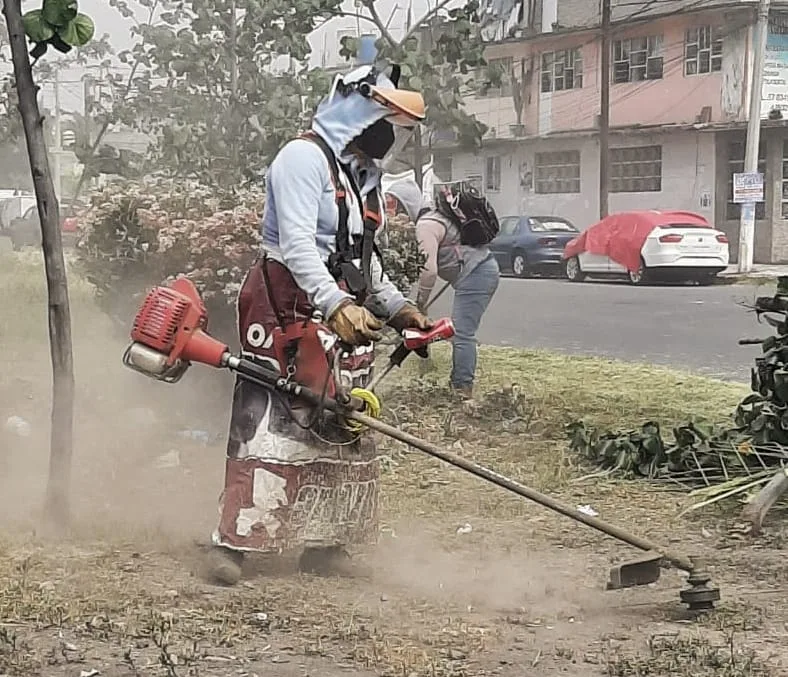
621, 236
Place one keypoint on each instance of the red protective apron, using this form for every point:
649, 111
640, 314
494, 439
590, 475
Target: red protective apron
287, 487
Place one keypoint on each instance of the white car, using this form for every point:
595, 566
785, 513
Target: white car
649, 245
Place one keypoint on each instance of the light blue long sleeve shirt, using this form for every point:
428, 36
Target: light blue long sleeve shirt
301, 216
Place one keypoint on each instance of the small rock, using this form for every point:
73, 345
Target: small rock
172, 459
18, 426
201, 436
280, 659
89, 673
587, 510
464, 529
456, 655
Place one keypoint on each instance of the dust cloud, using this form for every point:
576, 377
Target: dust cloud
536, 586
148, 457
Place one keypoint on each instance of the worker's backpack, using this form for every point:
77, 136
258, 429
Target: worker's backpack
469, 210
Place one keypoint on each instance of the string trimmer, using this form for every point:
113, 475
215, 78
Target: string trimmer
169, 335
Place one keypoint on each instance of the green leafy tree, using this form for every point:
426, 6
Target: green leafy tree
441, 55
59, 24
221, 85
212, 86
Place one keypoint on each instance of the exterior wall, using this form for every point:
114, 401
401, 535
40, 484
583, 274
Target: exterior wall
673, 99
771, 232
579, 13
688, 174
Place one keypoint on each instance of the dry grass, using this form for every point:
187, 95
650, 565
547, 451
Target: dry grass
688, 655
121, 593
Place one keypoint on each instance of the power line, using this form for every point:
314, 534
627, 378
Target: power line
668, 65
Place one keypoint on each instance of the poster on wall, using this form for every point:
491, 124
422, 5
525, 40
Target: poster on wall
774, 94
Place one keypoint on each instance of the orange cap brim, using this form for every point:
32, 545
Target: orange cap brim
406, 107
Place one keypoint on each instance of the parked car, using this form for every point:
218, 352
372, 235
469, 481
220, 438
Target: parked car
649, 245
13, 205
528, 245
26, 230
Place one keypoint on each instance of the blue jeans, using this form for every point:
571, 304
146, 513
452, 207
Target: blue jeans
472, 295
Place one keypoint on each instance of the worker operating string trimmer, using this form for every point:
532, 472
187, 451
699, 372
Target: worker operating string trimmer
311, 308
302, 471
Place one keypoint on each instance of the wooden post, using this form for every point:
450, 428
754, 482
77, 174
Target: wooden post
418, 158
61, 441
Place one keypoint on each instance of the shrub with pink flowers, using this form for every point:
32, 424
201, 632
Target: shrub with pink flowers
139, 234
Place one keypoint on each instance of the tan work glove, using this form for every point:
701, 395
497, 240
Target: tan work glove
410, 317
355, 325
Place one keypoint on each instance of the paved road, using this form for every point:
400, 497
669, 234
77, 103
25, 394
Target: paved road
687, 327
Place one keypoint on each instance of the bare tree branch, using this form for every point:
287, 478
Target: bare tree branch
384, 31
108, 120
426, 18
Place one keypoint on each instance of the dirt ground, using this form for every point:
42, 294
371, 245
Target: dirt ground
468, 581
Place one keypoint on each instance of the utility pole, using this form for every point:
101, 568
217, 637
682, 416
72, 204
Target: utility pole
604, 114
747, 217
58, 150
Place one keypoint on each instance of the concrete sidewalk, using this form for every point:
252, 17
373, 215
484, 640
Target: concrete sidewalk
759, 270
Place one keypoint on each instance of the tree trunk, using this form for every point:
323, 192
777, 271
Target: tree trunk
61, 442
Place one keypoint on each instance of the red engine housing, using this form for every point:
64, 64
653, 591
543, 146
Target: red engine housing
173, 321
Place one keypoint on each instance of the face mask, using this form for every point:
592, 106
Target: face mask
376, 140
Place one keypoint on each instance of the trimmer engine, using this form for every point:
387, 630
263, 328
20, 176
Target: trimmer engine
169, 333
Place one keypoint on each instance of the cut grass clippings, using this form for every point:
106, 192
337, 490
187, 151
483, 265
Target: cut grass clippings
82, 603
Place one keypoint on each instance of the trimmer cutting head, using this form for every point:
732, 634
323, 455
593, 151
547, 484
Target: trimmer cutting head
699, 596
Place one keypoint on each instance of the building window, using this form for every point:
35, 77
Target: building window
557, 172
503, 70
703, 50
493, 173
442, 167
562, 70
637, 59
785, 180
736, 152
636, 170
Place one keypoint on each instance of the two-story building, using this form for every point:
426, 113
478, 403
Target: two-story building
680, 88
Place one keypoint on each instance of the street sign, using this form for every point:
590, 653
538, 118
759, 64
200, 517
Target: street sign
748, 187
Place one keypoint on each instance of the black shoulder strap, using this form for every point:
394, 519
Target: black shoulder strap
343, 234
340, 264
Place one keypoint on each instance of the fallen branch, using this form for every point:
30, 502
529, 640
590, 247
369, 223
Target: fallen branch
755, 511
